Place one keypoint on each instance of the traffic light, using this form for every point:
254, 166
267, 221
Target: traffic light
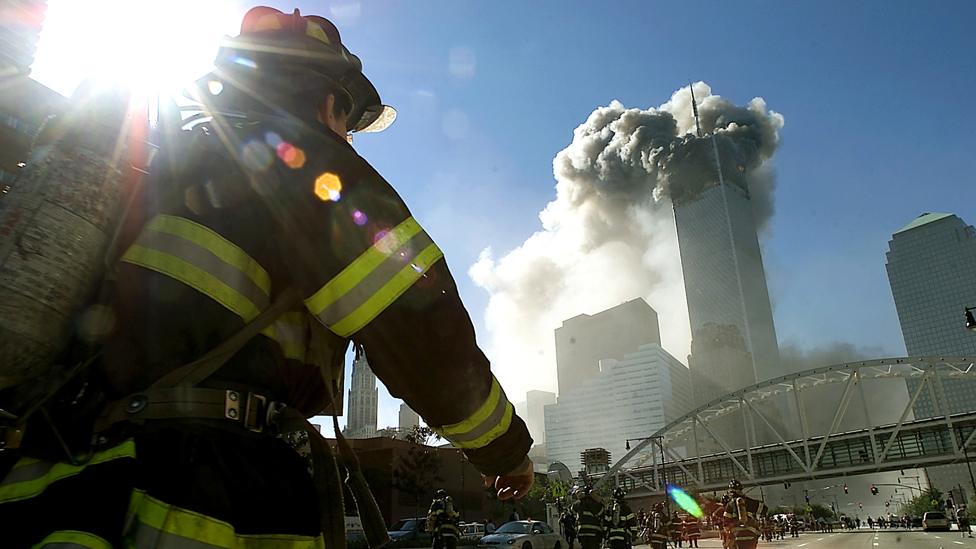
845, 487
887, 504
874, 490
786, 485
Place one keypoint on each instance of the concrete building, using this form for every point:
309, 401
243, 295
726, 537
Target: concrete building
408, 418
733, 337
363, 400
628, 398
584, 340
24, 103
20, 31
931, 264
535, 414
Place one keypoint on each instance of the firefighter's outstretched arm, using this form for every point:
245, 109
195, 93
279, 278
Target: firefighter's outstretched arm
375, 276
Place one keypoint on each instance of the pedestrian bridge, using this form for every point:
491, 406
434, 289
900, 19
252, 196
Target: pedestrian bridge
700, 451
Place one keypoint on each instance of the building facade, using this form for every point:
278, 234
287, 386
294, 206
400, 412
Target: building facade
24, 103
931, 264
20, 31
733, 336
629, 398
584, 340
363, 400
408, 418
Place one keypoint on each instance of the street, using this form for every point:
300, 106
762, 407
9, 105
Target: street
864, 539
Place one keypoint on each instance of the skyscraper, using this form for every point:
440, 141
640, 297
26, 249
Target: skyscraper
535, 419
733, 337
627, 399
24, 102
20, 30
363, 398
584, 340
931, 264
408, 418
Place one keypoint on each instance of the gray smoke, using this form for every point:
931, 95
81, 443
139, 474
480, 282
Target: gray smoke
609, 234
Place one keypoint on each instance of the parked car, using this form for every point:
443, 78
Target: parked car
524, 534
935, 521
411, 529
472, 530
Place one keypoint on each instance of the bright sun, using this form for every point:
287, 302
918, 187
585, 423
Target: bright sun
154, 46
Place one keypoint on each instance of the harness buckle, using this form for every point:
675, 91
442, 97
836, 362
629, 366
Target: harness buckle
253, 416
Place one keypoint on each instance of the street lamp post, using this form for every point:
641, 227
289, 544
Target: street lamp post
664, 471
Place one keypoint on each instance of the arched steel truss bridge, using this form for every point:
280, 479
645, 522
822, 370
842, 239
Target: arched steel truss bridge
692, 452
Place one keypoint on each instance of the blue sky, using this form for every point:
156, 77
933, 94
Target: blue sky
875, 97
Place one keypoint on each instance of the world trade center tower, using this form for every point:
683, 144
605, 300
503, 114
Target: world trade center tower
733, 339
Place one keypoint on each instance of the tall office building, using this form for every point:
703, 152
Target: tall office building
363, 399
24, 102
584, 340
931, 264
627, 399
535, 418
20, 31
733, 337
408, 418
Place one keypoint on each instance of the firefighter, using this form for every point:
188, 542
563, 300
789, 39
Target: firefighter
263, 206
691, 528
442, 521
743, 516
589, 518
719, 521
660, 527
620, 522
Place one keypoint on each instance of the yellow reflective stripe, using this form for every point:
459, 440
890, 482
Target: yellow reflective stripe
27, 488
349, 277
164, 525
66, 539
490, 421
207, 238
388, 293
192, 276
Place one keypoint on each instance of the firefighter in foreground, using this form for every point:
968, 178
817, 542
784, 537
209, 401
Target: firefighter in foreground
659, 527
265, 201
589, 518
442, 521
743, 517
620, 522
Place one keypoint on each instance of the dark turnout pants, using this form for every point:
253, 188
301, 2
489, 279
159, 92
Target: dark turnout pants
589, 541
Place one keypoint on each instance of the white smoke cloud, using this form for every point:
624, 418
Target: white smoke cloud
609, 235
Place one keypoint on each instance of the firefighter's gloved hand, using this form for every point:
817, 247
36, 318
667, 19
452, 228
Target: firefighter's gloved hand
514, 484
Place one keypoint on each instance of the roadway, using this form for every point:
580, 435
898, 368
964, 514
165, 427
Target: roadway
863, 539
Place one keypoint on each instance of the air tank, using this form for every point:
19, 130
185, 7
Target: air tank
56, 221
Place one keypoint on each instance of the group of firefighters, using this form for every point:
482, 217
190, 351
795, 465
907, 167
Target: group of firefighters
741, 521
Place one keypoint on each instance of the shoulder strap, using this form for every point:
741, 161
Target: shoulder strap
193, 373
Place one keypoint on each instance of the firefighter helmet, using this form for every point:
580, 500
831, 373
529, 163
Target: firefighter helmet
292, 55
735, 486
618, 493
440, 493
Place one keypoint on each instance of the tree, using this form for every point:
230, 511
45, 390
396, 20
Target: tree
417, 472
930, 500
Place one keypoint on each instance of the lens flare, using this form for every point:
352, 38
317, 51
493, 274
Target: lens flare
685, 501
328, 187
359, 218
291, 155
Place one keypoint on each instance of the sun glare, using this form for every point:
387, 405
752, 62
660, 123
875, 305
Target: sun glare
153, 46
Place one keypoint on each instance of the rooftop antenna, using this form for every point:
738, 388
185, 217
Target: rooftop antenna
694, 107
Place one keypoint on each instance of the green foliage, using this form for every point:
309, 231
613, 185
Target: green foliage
421, 434
930, 500
815, 509
416, 473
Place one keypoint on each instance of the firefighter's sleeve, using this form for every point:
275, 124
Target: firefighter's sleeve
370, 272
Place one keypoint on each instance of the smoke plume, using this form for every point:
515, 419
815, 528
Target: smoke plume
609, 234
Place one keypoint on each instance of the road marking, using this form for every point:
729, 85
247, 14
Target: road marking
875, 544
802, 544
819, 539
959, 542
